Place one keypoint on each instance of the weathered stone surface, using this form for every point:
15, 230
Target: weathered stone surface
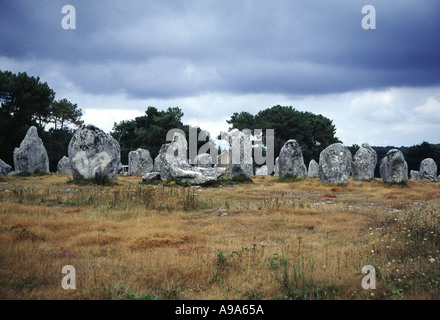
5, 168
240, 155
64, 166
335, 164
223, 159
261, 171
151, 176
203, 160
393, 167
364, 163
139, 162
291, 161
413, 174
31, 156
428, 170
313, 170
92, 151
174, 164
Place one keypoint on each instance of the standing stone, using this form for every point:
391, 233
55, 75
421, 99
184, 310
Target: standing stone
364, 163
428, 170
31, 156
93, 152
203, 160
414, 174
139, 162
313, 171
291, 161
335, 164
5, 168
261, 171
64, 166
240, 155
393, 167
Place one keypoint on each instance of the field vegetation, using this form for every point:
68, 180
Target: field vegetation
269, 239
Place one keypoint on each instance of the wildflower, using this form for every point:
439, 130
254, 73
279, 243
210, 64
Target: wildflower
432, 260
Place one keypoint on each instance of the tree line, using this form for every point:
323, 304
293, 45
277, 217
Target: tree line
26, 101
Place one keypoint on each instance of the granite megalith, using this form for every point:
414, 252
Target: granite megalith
393, 167
364, 163
291, 161
92, 152
31, 156
335, 164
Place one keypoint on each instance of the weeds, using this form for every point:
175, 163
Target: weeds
296, 282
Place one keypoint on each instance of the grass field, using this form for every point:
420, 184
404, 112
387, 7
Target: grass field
271, 239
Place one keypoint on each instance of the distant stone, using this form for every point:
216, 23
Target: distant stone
428, 170
313, 171
139, 162
5, 168
261, 171
203, 160
393, 167
93, 152
335, 164
364, 163
64, 166
31, 156
413, 174
291, 161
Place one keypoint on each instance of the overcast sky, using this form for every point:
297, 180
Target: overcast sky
214, 58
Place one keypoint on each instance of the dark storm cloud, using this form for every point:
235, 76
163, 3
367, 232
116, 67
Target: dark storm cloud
182, 48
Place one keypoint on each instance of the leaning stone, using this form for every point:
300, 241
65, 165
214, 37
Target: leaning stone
414, 175
313, 171
64, 166
335, 164
364, 163
139, 162
93, 152
291, 161
428, 170
31, 156
5, 168
393, 167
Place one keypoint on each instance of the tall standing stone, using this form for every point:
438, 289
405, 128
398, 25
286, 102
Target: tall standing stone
428, 170
139, 162
364, 163
31, 156
393, 167
335, 164
313, 170
93, 152
291, 161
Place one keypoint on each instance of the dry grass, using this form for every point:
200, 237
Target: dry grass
245, 241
